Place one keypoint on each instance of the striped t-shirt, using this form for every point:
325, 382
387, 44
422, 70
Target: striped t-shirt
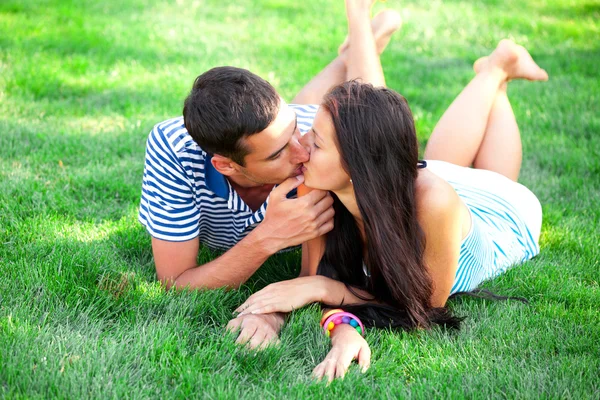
184, 196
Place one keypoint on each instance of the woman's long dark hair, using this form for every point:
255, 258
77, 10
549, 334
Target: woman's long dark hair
379, 150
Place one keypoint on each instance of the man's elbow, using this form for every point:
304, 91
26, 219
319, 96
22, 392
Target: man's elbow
167, 281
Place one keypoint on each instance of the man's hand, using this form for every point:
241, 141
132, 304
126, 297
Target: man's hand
257, 330
290, 222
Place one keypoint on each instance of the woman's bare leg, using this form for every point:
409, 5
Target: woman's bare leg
363, 58
333, 74
479, 127
501, 149
383, 27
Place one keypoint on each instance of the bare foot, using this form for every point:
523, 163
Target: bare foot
515, 60
364, 5
383, 26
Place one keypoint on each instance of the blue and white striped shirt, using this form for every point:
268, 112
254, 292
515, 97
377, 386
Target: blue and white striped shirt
184, 196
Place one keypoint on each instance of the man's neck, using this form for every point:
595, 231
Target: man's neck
252, 193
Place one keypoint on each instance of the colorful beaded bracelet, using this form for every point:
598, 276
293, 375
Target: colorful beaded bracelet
330, 313
343, 318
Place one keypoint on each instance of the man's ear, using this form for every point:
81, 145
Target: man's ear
224, 165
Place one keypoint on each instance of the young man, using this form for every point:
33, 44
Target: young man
222, 175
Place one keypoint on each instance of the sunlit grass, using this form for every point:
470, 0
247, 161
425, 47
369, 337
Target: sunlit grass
81, 313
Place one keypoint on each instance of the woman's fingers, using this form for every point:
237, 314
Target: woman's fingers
277, 293
333, 366
252, 301
344, 359
338, 361
340, 369
247, 303
270, 308
364, 357
318, 371
323, 369
266, 305
330, 369
264, 292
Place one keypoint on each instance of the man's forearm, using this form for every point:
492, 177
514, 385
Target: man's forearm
232, 268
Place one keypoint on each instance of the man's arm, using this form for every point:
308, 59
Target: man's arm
176, 263
287, 222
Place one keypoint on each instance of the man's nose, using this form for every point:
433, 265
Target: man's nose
300, 150
305, 142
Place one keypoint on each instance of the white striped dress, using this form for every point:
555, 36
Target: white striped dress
506, 221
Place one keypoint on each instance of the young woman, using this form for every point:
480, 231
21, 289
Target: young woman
409, 233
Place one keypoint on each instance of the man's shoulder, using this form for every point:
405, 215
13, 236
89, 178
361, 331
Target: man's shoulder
172, 135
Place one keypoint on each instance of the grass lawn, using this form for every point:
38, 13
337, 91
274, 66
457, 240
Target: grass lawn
81, 314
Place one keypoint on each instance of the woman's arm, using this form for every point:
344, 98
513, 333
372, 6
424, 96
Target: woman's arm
286, 296
312, 250
332, 291
308, 288
440, 216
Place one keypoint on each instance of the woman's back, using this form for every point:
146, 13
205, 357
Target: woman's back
505, 222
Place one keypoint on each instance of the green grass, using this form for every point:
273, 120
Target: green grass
81, 314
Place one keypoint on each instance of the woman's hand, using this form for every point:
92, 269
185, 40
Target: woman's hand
347, 345
285, 296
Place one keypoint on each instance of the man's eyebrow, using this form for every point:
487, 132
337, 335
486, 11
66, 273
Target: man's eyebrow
274, 154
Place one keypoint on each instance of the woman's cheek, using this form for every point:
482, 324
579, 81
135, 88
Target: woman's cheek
319, 175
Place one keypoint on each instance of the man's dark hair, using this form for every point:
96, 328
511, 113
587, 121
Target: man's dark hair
226, 104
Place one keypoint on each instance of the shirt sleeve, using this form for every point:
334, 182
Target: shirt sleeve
167, 207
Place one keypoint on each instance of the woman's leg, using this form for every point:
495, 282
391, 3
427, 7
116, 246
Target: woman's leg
501, 149
313, 92
458, 135
363, 58
479, 127
382, 26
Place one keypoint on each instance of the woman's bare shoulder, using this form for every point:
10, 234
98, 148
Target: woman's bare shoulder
435, 196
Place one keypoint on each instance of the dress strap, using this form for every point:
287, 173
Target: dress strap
421, 164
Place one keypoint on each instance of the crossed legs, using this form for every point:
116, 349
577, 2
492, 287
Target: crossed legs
359, 53
479, 128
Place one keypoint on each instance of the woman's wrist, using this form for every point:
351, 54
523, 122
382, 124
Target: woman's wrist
343, 330
327, 290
